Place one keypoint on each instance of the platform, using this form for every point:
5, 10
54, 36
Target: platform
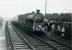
2, 38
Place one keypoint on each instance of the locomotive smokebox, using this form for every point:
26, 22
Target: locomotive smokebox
37, 11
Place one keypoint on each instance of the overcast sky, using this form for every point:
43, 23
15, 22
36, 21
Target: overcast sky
11, 8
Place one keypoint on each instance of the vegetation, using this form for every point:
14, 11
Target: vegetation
63, 17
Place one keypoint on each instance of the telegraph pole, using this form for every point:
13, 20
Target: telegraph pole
45, 11
45, 7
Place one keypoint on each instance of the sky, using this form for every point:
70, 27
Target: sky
12, 8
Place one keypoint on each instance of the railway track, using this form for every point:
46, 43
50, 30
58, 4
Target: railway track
52, 43
15, 42
36, 43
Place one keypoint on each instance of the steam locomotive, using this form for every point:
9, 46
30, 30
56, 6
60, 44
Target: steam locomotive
37, 21
32, 22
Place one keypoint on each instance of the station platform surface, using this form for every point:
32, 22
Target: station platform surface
2, 37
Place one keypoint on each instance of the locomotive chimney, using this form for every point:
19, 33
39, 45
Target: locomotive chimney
37, 11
